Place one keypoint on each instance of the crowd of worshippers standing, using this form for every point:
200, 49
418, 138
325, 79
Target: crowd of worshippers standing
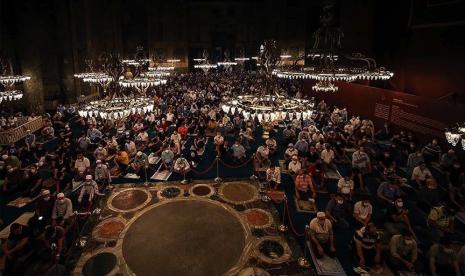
388, 174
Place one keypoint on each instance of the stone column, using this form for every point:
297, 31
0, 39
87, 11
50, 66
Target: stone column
28, 44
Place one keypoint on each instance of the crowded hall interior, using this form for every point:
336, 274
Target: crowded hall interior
232, 137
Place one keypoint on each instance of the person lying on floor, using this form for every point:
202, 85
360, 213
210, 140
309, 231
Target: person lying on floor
321, 236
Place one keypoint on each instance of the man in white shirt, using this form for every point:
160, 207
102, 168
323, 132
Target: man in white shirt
363, 210
176, 138
262, 154
100, 153
130, 148
327, 155
81, 165
102, 174
294, 166
290, 151
361, 165
170, 117
345, 186
218, 141
273, 176
420, 174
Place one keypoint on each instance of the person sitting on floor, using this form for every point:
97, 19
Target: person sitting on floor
403, 252
304, 188
398, 218
443, 259
345, 186
181, 165
102, 174
81, 165
317, 173
328, 156
238, 152
15, 248
218, 141
167, 158
272, 145
63, 208
321, 236
262, 155
273, 176
140, 163
53, 243
122, 160
294, 166
176, 138
361, 165
441, 223
290, 151
388, 191
363, 210
44, 206
100, 153
88, 191
368, 246
421, 174
337, 211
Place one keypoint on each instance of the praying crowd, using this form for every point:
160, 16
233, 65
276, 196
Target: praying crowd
379, 193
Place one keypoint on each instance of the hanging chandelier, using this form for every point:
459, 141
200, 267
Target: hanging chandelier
456, 134
325, 86
327, 63
268, 106
226, 63
204, 64
8, 81
125, 84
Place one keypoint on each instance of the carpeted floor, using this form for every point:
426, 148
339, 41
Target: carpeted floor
343, 238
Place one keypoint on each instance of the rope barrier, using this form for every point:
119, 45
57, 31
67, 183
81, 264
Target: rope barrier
286, 207
236, 166
206, 170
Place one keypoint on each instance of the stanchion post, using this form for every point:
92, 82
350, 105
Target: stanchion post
253, 176
218, 178
146, 183
184, 181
